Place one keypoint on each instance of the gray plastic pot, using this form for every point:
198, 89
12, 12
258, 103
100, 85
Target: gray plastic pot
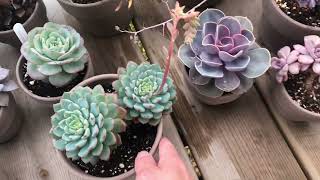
93, 81
37, 19
45, 100
208, 99
10, 120
192, 3
100, 18
288, 108
278, 29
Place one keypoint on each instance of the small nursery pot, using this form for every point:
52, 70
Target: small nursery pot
10, 121
192, 3
287, 107
45, 100
100, 18
278, 29
92, 82
37, 19
207, 99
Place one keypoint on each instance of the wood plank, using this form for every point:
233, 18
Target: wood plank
302, 139
31, 155
234, 141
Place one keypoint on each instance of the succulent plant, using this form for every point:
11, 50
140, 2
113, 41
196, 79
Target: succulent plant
87, 123
223, 56
308, 3
301, 59
137, 90
6, 85
55, 53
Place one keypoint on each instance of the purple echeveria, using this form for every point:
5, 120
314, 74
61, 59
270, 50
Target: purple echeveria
300, 59
308, 3
6, 85
287, 61
223, 56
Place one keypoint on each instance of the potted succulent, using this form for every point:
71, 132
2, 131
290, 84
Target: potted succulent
297, 90
286, 22
9, 118
100, 17
101, 125
54, 60
222, 61
30, 13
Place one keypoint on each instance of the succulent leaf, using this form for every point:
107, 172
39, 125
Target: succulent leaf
85, 127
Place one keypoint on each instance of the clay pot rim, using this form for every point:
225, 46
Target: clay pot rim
286, 94
297, 23
130, 173
67, 2
37, 97
27, 22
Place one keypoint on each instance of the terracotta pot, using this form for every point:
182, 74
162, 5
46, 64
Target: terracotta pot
37, 19
3, 175
207, 99
278, 29
100, 18
287, 107
10, 120
45, 100
192, 3
100, 79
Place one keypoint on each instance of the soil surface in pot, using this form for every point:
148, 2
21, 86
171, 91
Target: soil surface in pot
17, 12
85, 1
44, 89
297, 89
307, 16
138, 137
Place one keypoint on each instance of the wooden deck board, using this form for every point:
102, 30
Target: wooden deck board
31, 156
239, 140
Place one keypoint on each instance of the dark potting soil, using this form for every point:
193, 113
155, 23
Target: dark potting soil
85, 1
18, 11
138, 137
44, 89
307, 16
296, 88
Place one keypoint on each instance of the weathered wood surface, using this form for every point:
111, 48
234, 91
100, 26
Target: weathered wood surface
31, 156
239, 140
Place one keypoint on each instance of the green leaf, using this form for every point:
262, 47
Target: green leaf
61, 79
49, 70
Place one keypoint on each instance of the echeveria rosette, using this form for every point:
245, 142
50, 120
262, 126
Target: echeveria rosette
137, 90
87, 123
223, 57
54, 53
6, 85
308, 3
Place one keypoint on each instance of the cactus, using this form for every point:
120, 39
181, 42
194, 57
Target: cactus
6, 85
87, 123
223, 56
54, 53
137, 90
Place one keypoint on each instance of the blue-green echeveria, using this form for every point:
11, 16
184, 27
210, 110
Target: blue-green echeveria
138, 92
223, 56
54, 53
87, 123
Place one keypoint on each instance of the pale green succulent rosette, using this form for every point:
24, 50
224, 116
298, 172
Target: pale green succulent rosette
54, 53
87, 123
137, 90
